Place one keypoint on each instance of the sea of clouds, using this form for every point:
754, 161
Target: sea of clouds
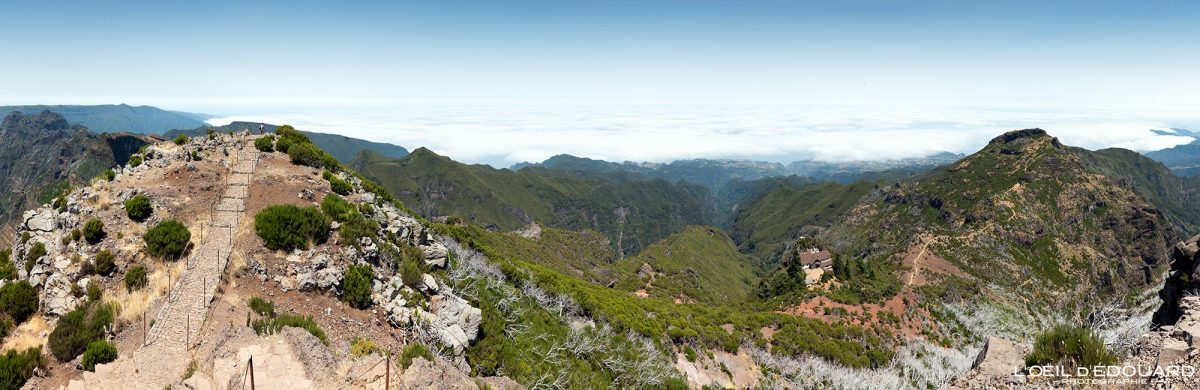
501, 135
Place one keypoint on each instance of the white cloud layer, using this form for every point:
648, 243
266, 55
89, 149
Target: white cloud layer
505, 134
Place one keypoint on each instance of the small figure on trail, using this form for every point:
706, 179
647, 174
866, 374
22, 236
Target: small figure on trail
260, 128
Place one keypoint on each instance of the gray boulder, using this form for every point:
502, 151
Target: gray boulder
40, 220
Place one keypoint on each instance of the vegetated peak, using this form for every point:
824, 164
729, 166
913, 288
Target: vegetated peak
45, 120
423, 152
1015, 135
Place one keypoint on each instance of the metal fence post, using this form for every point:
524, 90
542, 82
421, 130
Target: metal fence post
251, 372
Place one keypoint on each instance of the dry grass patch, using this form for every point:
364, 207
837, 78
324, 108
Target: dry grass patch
131, 305
29, 334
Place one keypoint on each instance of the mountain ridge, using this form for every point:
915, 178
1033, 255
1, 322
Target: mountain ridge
110, 118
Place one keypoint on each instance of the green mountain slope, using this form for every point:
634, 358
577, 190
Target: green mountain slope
42, 154
1177, 197
631, 210
766, 224
1184, 160
118, 117
1028, 218
700, 264
713, 174
341, 147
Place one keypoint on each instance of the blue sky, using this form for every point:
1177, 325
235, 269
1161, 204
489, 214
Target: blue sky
254, 58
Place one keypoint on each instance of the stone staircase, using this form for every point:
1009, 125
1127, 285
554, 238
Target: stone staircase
164, 357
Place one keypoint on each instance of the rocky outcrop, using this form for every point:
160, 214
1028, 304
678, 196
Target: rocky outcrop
999, 365
455, 320
1171, 353
41, 220
1183, 277
425, 374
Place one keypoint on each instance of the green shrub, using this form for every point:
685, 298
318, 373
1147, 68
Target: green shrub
79, 328
338, 209
305, 154
1070, 347
410, 273
60, 203
76, 234
340, 186
105, 263
168, 239
8, 270
93, 291
262, 306
179, 140
287, 227
99, 352
690, 353
265, 144
272, 325
134, 161
93, 231
354, 225
19, 300
413, 351
17, 367
110, 175
356, 286
6, 325
288, 136
282, 145
138, 208
135, 278
362, 346
36, 251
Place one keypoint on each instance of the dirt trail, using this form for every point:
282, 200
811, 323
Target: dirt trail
165, 356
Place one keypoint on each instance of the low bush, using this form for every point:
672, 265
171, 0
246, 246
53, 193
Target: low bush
339, 186
98, 352
305, 154
93, 291
134, 161
110, 175
36, 251
410, 273
261, 306
353, 224
138, 208
356, 286
8, 270
93, 231
167, 240
105, 263
19, 300
265, 144
338, 209
6, 325
272, 325
180, 140
17, 367
135, 278
287, 227
413, 351
79, 328
362, 346
1069, 347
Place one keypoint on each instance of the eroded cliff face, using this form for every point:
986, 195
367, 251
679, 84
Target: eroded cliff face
42, 154
1183, 280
